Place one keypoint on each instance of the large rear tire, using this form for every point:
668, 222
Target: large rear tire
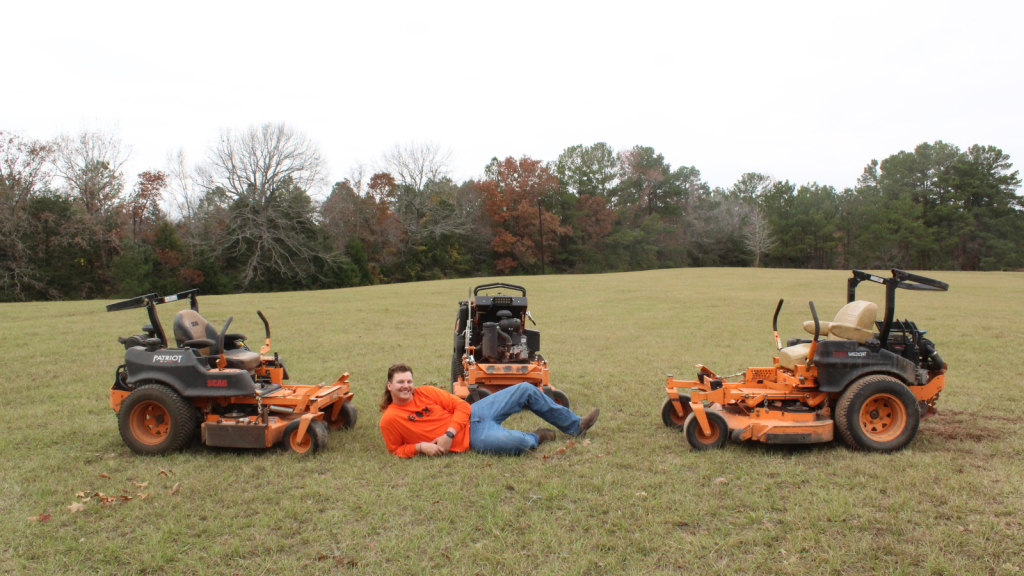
877, 413
346, 417
154, 419
457, 371
698, 439
670, 417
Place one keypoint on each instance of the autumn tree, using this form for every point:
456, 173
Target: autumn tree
511, 193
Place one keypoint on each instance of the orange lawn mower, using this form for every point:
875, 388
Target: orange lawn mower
213, 382
494, 349
874, 387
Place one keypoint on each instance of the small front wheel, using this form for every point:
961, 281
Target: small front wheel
671, 417
477, 395
559, 397
346, 418
698, 439
313, 441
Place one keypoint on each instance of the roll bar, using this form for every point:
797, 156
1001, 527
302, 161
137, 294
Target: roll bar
150, 302
520, 289
900, 279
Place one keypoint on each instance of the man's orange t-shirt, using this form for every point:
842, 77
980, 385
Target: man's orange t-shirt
431, 412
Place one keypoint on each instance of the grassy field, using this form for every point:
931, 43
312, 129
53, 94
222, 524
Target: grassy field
635, 500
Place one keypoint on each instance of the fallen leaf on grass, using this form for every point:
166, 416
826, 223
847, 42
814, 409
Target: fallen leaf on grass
104, 475
587, 442
40, 518
165, 473
143, 485
84, 500
176, 487
80, 494
142, 496
681, 523
560, 450
75, 507
720, 481
125, 498
570, 443
969, 528
641, 494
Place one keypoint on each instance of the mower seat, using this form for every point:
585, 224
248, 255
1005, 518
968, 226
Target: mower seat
853, 322
189, 325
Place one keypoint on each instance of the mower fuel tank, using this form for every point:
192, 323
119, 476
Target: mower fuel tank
180, 369
533, 340
840, 362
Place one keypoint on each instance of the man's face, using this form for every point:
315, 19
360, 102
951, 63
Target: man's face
401, 387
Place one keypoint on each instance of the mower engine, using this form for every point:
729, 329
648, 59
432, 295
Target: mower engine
504, 341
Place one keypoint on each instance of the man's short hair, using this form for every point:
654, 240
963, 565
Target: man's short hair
398, 369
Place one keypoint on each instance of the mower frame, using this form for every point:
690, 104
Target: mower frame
750, 408
209, 387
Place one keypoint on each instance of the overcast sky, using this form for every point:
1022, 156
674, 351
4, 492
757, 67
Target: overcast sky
805, 92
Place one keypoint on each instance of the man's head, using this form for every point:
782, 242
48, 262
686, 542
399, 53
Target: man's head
399, 387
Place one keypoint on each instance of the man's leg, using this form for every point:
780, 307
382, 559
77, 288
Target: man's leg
499, 406
490, 437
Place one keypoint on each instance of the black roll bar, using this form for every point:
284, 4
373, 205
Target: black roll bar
150, 302
900, 279
498, 285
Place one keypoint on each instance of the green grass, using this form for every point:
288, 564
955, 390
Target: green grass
636, 500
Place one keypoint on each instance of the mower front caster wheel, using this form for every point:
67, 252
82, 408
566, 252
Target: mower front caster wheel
313, 441
559, 397
346, 417
479, 394
154, 419
698, 439
670, 417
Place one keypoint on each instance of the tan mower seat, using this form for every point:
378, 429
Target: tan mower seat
855, 321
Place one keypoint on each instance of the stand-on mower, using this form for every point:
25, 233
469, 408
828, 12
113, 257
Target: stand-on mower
874, 387
212, 381
493, 348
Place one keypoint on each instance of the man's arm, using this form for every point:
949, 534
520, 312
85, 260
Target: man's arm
460, 411
393, 440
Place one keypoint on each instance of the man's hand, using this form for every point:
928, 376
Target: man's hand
430, 449
443, 442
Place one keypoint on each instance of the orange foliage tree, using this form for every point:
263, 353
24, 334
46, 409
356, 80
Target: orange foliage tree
514, 194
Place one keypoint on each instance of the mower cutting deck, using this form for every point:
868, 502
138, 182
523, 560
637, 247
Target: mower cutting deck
493, 349
212, 381
873, 387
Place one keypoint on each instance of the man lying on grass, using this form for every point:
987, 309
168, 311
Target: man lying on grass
428, 420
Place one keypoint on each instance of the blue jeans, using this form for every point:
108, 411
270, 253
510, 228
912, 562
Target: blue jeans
486, 433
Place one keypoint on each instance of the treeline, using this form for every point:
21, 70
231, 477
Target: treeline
243, 219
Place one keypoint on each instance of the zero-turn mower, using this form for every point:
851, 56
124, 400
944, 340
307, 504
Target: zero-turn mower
493, 347
211, 381
873, 381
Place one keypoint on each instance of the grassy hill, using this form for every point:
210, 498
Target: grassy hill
634, 500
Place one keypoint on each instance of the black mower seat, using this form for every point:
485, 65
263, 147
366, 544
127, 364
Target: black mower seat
189, 325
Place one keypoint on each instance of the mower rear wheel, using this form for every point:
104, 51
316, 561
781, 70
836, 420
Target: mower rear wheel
457, 371
346, 417
698, 439
313, 441
154, 419
559, 397
878, 414
670, 417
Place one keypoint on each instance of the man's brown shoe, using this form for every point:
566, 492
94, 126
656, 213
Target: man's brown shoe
587, 421
544, 435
